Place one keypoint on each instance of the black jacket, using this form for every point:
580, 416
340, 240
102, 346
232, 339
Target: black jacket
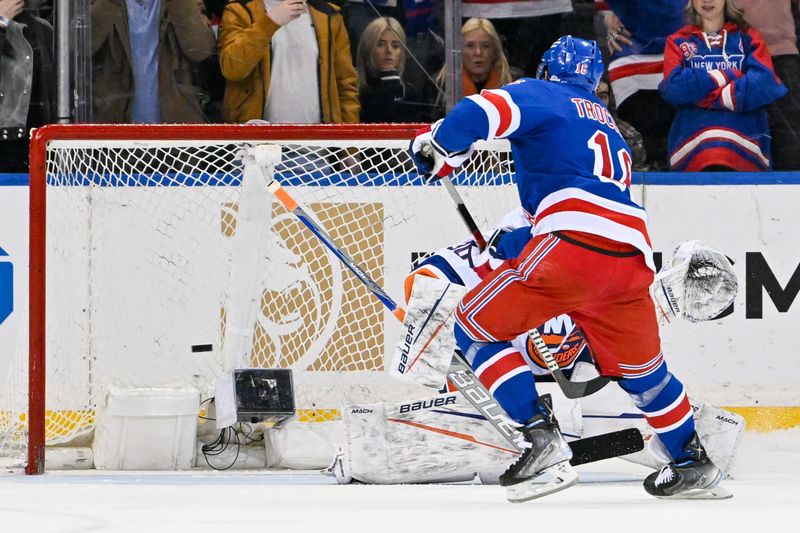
387, 98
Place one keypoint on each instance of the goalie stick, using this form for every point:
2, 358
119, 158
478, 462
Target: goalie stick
571, 389
293, 207
596, 448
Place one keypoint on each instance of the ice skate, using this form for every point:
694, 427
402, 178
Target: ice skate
694, 478
549, 454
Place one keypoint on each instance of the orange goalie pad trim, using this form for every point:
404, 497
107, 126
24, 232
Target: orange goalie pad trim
453, 434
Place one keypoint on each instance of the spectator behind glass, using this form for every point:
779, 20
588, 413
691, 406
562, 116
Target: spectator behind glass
773, 18
144, 56
381, 59
484, 64
359, 13
637, 31
209, 76
287, 63
27, 97
718, 73
528, 27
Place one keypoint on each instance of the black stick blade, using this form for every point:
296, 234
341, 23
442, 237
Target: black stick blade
606, 446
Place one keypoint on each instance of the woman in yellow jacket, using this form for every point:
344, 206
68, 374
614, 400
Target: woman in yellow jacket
251, 55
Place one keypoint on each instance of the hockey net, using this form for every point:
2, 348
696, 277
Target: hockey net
157, 262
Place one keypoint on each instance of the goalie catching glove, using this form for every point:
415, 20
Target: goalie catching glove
431, 159
698, 284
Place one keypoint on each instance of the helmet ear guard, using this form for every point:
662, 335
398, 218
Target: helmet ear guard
573, 61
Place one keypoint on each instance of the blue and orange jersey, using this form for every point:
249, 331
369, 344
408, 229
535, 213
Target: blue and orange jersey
721, 84
573, 168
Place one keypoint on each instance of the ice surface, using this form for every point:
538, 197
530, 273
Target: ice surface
766, 489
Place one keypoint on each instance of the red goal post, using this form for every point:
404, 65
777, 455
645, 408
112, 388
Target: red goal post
104, 197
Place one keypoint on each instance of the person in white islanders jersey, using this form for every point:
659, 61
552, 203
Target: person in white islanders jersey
590, 257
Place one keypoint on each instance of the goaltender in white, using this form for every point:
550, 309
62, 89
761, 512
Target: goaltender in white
444, 438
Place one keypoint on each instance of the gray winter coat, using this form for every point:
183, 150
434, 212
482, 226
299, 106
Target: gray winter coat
16, 78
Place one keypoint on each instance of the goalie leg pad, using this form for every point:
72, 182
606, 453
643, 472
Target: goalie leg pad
436, 439
425, 348
720, 430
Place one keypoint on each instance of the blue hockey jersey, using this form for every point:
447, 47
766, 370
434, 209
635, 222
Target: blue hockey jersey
721, 85
573, 168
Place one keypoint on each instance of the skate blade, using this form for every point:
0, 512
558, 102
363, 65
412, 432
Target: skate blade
564, 476
717, 493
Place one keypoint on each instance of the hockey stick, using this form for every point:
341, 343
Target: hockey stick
606, 446
588, 450
293, 207
466, 216
571, 389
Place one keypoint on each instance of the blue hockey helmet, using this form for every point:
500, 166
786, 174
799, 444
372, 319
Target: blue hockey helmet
572, 60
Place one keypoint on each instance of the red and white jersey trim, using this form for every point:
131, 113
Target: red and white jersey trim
719, 77
635, 73
729, 98
581, 194
579, 210
501, 111
645, 369
710, 134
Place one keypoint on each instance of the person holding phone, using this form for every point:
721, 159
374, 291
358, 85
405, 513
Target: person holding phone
286, 61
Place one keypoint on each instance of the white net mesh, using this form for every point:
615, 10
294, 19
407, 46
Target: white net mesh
168, 265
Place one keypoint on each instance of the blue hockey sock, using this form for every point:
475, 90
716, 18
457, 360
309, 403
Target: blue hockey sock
504, 372
663, 401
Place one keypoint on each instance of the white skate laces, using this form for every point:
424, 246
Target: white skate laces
665, 476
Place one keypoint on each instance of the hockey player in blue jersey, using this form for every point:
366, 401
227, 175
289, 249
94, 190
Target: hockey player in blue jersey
590, 256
